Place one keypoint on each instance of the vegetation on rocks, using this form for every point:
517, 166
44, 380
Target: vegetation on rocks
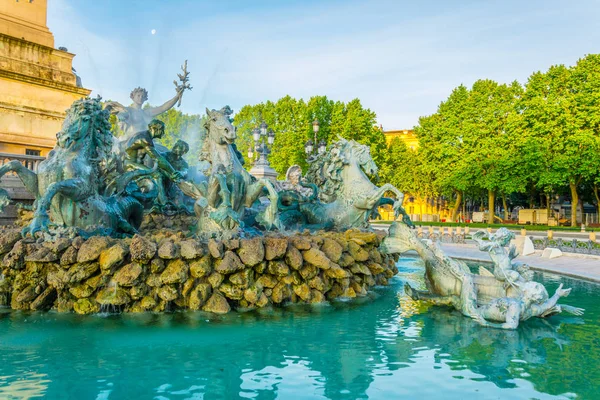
162, 271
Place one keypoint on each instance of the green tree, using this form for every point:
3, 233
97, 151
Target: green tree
492, 143
560, 110
442, 149
291, 120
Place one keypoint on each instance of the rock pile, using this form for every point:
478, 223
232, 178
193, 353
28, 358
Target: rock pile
163, 270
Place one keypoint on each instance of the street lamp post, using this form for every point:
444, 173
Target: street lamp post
263, 137
315, 148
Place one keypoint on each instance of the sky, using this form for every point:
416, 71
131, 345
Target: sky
400, 58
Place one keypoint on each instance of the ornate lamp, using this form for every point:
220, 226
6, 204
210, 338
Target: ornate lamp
322, 147
270, 136
263, 140
315, 125
308, 147
263, 129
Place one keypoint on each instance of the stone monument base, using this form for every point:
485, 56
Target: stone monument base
163, 270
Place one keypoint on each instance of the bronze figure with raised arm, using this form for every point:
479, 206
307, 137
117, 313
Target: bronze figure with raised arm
135, 118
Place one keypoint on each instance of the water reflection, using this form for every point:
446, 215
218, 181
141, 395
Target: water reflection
385, 346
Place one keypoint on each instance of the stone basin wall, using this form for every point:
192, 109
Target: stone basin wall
165, 271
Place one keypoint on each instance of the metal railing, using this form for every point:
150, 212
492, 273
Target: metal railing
30, 162
448, 235
571, 246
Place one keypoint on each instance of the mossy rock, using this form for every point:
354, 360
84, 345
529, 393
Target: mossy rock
301, 243
8, 239
275, 247
317, 296
157, 265
45, 300
357, 252
113, 256
86, 306
215, 279
113, 296
332, 249
176, 272
69, 256
231, 291
80, 272
229, 264
243, 278
81, 291
251, 251
202, 267
346, 260
309, 271
278, 268
293, 258
253, 293
267, 281
92, 248
302, 291
148, 303
42, 254
142, 249
128, 275
217, 304
167, 293
199, 296
168, 250
317, 258
215, 248
191, 249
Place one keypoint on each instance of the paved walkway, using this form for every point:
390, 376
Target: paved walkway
569, 264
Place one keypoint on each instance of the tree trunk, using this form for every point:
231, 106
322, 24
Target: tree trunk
583, 221
456, 208
574, 202
532, 196
491, 205
505, 206
597, 200
420, 209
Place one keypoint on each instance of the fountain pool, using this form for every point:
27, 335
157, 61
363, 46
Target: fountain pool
385, 346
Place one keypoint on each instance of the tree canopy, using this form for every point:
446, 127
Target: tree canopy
291, 120
506, 138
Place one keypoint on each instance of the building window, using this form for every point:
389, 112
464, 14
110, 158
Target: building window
29, 152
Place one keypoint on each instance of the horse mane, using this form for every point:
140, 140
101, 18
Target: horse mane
326, 171
99, 136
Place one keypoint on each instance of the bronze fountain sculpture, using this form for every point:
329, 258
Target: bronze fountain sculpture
93, 184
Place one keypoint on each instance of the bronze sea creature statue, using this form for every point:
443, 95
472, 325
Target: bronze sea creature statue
499, 299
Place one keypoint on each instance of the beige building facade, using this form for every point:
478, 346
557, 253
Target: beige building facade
406, 135
37, 83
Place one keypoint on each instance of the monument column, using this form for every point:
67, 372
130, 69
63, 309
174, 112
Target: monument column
37, 82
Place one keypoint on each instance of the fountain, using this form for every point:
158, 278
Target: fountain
118, 225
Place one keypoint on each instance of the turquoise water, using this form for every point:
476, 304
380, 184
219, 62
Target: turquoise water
383, 347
